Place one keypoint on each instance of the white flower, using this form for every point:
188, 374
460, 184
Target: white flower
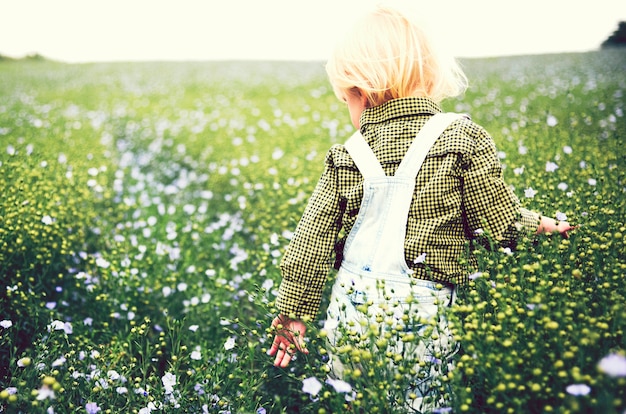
529, 192
193, 328
230, 343
103, 383
420, 259
168, 380
58, 362
60, 326
196, 355
339, 385
6, 323
274, 238
47, 220
592, 181
552, 121
311, 386
551, 166
147, 410
613, 365
562, 186
141, 391
277, 154
113, 375
45, 392
475, 276
268, 284
561, 216
23, 362
578, 389
103, 263
567, 149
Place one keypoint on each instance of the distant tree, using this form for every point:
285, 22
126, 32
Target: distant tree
617, 39
35, 56
31, 57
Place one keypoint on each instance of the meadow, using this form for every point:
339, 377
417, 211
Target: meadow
145, 208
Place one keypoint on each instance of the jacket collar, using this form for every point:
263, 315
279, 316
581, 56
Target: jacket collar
397, 108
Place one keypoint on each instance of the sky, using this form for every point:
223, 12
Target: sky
138, 30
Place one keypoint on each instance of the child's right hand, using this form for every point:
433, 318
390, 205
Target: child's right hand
289, 339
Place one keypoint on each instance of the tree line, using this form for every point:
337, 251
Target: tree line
617, 39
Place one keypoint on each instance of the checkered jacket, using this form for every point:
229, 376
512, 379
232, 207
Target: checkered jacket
459, 192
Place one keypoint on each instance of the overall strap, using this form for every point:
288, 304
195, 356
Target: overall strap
422, 143
363, 157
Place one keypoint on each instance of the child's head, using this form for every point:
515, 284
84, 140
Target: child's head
387, 56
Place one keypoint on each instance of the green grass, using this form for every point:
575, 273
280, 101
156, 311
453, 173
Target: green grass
145, 206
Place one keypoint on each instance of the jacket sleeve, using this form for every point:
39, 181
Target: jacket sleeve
307, 260
490, 205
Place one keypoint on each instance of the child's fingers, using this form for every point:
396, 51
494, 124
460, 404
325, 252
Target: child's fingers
284, 354
565, 233
277, 337
286, 343
273, 348
276, 343
300, 345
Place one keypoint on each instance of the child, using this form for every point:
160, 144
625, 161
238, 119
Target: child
393, 81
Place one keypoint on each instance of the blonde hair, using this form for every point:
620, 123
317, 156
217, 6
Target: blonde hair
386, 56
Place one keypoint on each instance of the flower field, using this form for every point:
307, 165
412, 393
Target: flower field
145, 207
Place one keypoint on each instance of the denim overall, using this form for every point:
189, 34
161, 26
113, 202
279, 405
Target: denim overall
374, 289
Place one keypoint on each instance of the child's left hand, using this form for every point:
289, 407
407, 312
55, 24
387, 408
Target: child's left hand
288, 339
564, 228
550, 225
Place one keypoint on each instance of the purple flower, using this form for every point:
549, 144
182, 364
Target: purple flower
92, 408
